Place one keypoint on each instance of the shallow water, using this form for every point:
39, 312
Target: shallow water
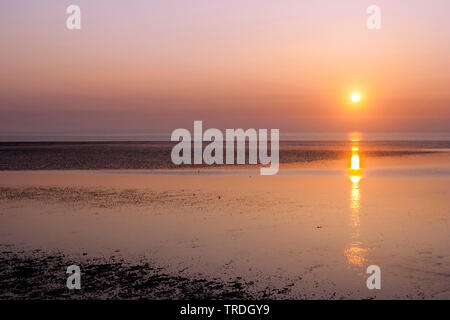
309, 232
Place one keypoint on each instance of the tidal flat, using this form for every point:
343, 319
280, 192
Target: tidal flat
309, 232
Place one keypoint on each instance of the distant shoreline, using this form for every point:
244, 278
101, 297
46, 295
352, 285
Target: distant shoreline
165, 137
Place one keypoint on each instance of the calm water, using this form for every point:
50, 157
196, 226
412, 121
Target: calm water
295, 136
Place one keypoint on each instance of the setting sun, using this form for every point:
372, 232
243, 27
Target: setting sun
356, 97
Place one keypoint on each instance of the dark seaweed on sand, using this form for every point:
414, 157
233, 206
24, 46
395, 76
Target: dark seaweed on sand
39, 275
156, 155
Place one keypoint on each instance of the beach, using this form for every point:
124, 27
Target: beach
309, 232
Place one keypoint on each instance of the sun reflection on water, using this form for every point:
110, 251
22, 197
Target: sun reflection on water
355, 161
355, 252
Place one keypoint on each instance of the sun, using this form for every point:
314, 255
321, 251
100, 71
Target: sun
356, 97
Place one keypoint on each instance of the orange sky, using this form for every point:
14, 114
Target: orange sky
153, 66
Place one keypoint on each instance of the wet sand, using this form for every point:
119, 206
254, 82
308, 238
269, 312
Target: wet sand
156, 155
307, 233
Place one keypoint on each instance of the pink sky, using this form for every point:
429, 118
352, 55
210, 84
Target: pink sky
153, 66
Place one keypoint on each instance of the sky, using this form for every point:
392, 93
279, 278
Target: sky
154, 66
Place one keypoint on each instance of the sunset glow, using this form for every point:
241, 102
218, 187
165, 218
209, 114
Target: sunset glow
256, 151
222, 67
